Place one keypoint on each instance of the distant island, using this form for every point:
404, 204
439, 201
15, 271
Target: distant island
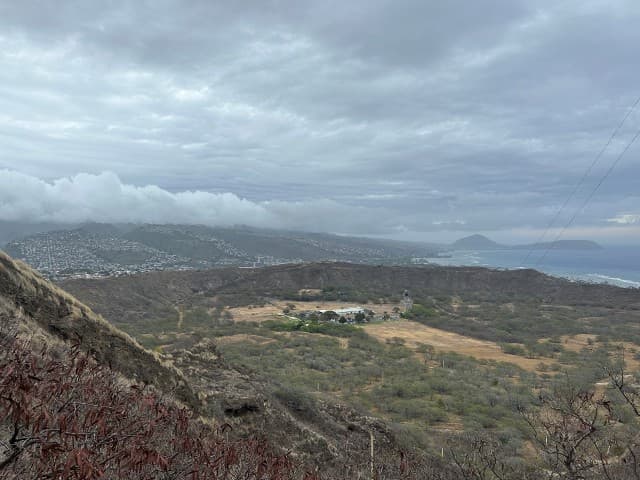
480, 242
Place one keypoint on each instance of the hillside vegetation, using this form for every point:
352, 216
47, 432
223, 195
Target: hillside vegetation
517, 342
566, 403
78, 361
506, 306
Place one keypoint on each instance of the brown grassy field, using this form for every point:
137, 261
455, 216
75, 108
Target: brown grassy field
414, 333
242, 338
578, 342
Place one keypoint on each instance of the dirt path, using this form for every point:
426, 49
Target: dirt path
414, 333
180, 317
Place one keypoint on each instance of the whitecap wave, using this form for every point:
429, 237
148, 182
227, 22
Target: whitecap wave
618, 280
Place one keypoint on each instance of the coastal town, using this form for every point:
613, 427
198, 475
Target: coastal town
102, 250
72, 253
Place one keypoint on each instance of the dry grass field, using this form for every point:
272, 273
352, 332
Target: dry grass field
242, 338
414, 333
575, 343
578, 342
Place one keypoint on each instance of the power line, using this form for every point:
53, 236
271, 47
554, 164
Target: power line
591, 195
581, 181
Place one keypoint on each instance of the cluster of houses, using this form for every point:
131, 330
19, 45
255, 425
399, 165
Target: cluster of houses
353, 315
340, 315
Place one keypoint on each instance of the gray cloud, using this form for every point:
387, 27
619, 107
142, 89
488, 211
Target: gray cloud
373, 117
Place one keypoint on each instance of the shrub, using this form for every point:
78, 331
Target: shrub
511, 349
419, 311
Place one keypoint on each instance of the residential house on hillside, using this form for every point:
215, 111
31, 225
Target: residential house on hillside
340, 315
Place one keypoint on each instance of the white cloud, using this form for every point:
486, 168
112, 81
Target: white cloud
449, 222
190, 95
625, 219
105, 198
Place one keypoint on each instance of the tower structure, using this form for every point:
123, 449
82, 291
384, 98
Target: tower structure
406, 302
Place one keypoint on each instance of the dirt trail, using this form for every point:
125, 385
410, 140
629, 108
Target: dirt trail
180, 317
414, 333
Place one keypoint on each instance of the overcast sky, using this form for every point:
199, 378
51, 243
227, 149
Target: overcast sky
411, 119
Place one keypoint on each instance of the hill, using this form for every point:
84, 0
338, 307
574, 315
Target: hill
476, 242
314, 432
65, 415
13, 230
142, 300
54, 315
478, 346
318, 391
480, 242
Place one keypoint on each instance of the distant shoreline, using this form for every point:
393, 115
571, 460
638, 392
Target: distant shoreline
610, 265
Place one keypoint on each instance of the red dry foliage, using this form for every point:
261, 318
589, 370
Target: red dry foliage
63, 416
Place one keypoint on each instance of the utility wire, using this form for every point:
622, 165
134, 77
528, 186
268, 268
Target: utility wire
591, 195
581, 182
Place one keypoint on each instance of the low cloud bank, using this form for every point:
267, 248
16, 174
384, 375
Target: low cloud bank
105, 198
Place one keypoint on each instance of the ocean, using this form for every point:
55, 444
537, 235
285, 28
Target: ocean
613, 265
